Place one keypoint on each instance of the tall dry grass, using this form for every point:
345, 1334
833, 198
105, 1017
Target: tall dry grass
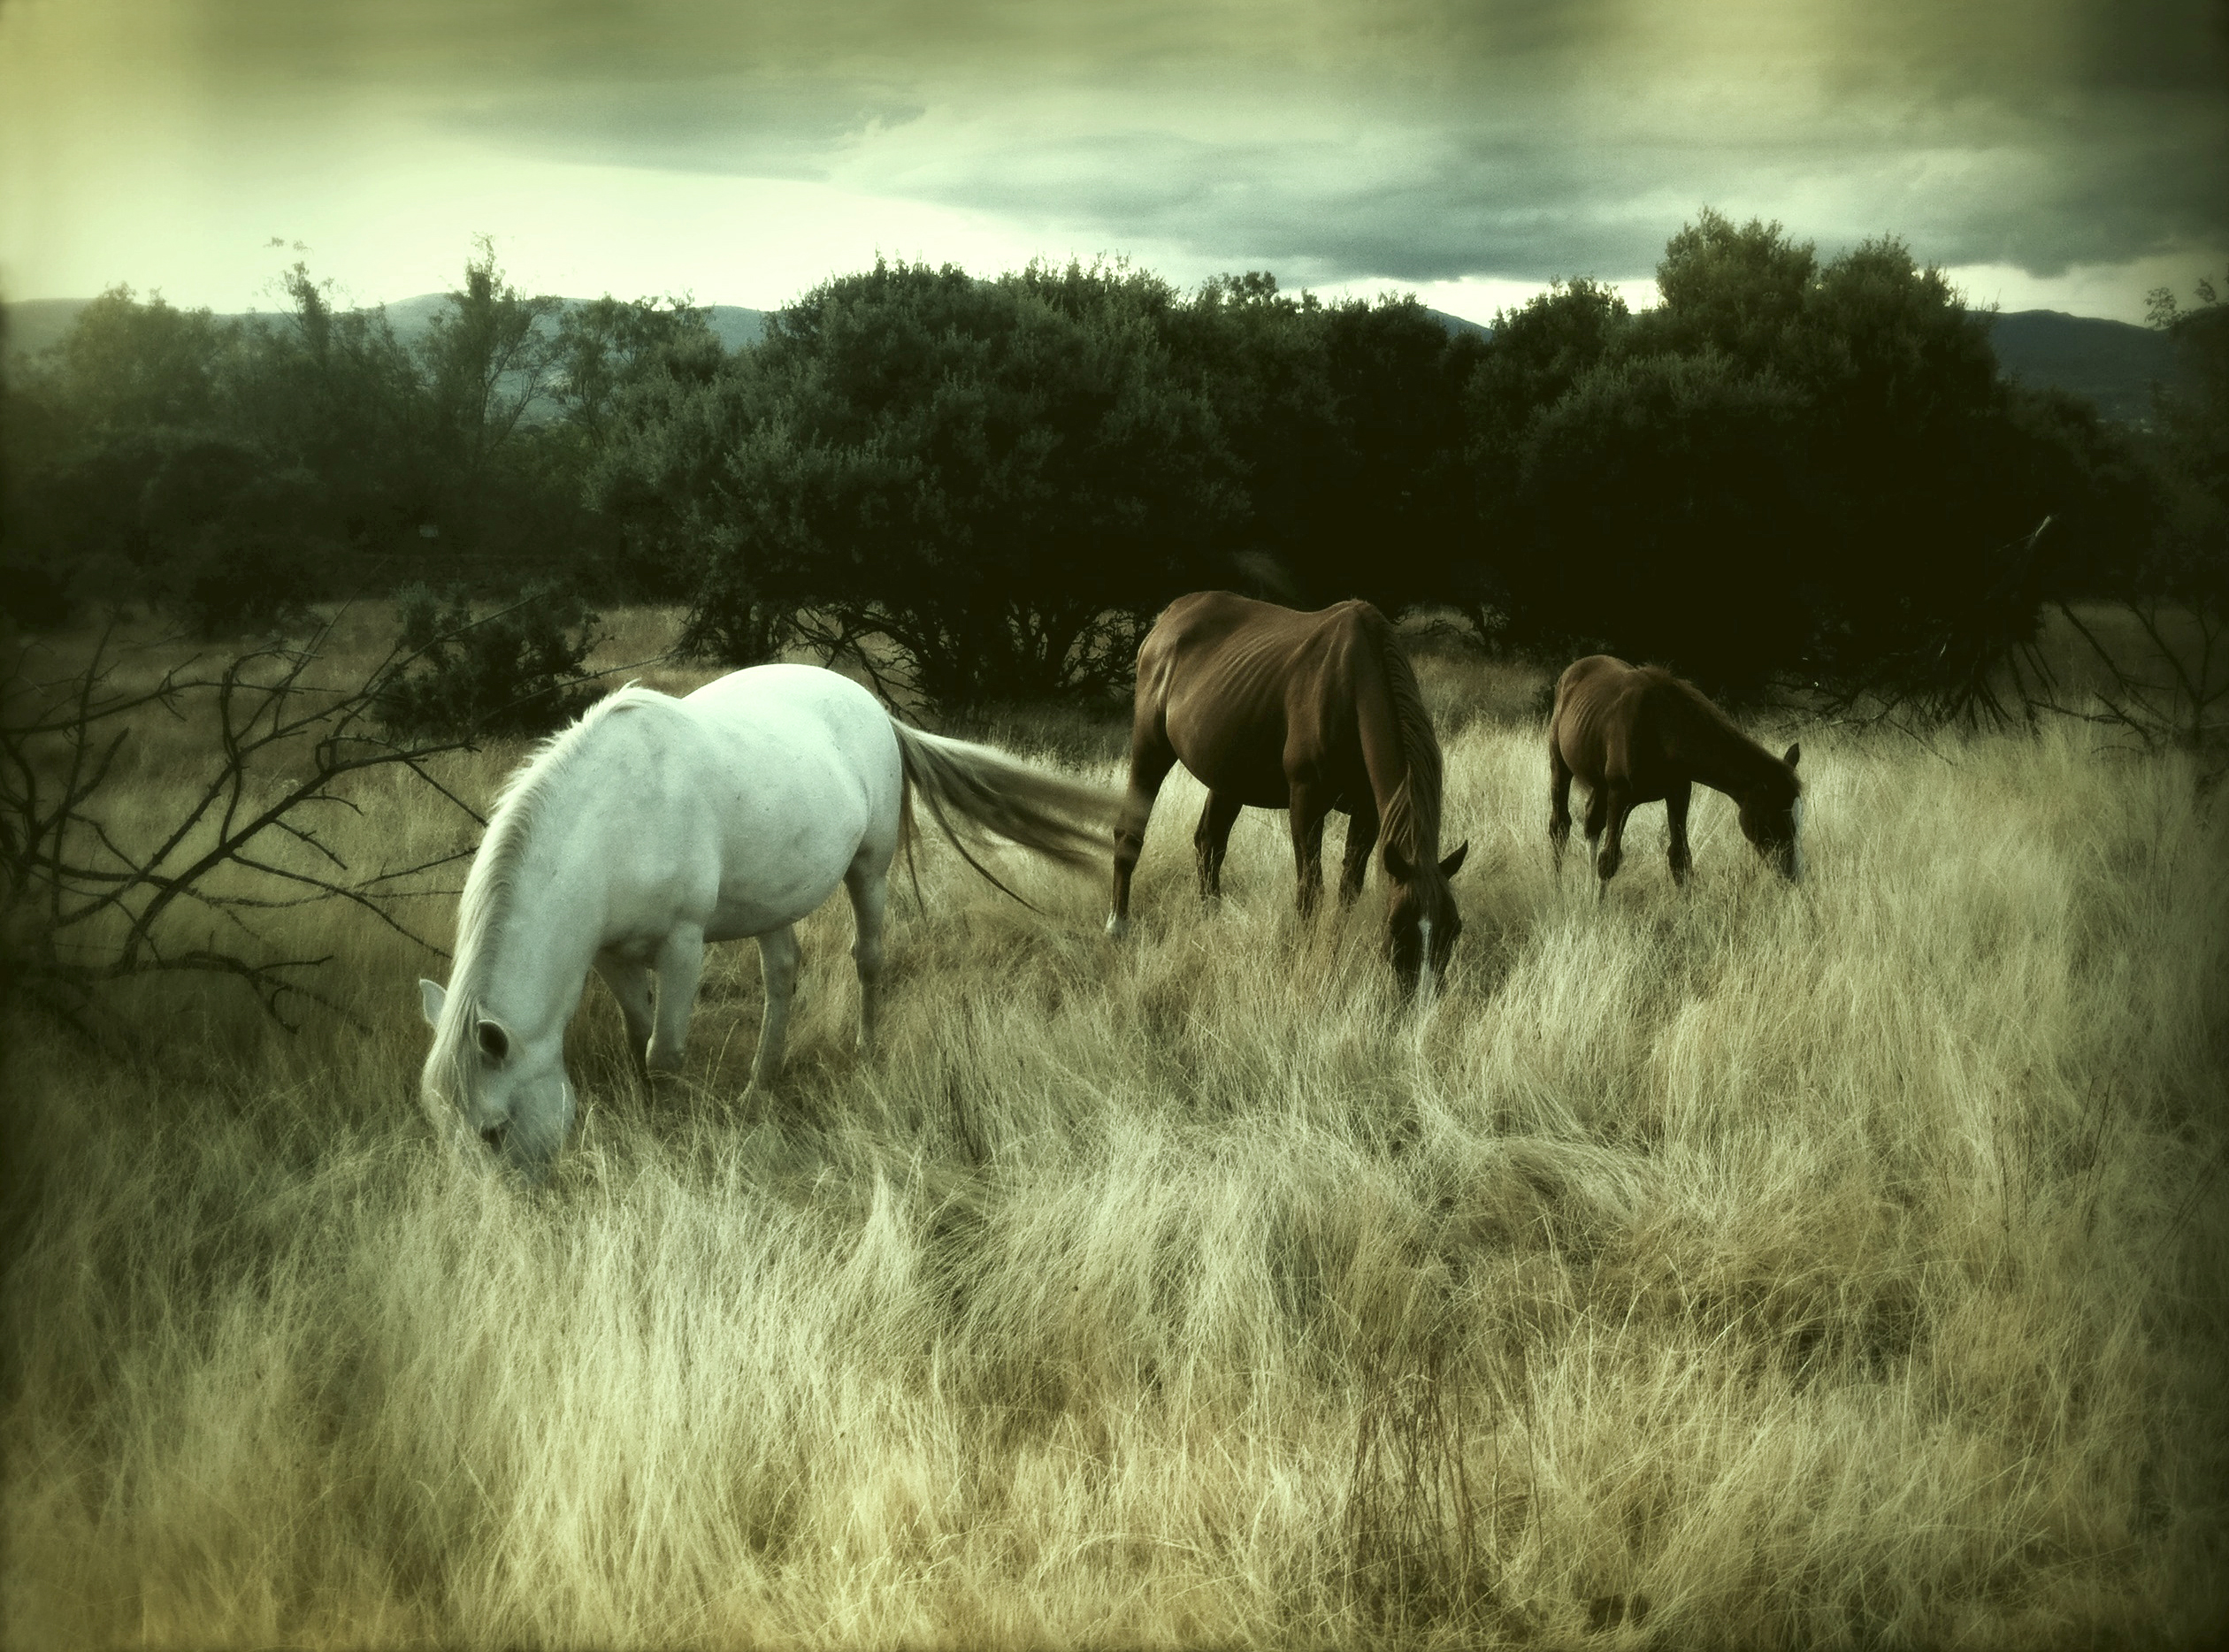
1756, 1267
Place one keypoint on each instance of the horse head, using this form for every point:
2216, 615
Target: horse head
1773, 820
510, 1092
1421, 924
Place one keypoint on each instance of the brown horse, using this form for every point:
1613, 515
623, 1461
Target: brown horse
1636, 734
1273, 709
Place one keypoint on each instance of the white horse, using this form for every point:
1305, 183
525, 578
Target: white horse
654, 825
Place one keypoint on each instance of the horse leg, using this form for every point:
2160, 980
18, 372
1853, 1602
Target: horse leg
1559, 807
1597, 817
1308, 811
680, 961
1613, 854
629, 984
777, 962
870, 888
1361, 838
1675, 809
1212, 840
1151, 760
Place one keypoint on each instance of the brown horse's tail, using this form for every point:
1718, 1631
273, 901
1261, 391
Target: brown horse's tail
975, 794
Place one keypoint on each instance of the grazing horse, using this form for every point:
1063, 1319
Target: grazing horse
1275, 709
1636, 734
654, 825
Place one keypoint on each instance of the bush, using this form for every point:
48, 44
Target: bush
519, 670
979, 486
1666, 501
232, 584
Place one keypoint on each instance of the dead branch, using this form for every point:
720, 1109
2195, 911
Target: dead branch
84, 901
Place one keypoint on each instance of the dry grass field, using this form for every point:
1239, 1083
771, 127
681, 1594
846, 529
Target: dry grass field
1841, 1266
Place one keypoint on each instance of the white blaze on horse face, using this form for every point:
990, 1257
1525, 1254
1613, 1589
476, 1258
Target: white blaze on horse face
1796, 840
1428, 987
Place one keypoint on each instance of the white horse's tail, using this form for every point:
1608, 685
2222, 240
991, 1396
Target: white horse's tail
975, 793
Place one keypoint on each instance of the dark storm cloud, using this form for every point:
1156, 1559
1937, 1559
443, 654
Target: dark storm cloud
1415, 139
752, 127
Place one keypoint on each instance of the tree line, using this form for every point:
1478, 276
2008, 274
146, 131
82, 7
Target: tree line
1790, 467
230, 469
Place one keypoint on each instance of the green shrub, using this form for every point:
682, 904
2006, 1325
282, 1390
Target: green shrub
231, 584
516, 670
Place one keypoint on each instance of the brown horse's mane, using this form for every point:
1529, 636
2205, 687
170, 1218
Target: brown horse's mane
1410, 818
1746, 747
1702, 705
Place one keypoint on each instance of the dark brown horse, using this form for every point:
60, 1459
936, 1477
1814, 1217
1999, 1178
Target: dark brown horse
1636, 734
1273, 709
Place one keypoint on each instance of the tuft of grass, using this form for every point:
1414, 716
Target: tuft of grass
1410, 1528
1750, 1266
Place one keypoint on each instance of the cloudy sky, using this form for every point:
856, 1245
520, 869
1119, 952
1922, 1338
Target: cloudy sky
2063, 153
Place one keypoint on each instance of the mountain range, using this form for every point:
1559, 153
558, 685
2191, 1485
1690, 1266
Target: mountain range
39, 324
2112, 362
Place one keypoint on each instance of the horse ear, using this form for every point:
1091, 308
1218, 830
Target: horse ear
1795, 753
1455, 862
495, 1042
1397, 863
431, 998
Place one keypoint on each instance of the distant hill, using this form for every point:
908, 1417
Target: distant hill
735, 326
1458, 325
39, 324
2112, 363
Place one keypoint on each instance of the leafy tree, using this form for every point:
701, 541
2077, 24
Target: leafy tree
229, 537
2192, 448
1743, 292
1535, 355
1393, 516
1787, 466
483, 363
1927, 476
128, 365
1256, 357
983, 476
607, 345
334, 394
1656, 503
1533, 358
1344, 427
985, 487
486, 361
88, 426
653, 473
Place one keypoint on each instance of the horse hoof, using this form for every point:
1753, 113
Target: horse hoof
1117, 926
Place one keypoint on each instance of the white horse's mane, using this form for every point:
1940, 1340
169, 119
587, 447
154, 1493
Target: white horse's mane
493, 876
520, 802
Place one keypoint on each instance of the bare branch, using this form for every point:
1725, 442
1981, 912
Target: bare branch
69, 870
